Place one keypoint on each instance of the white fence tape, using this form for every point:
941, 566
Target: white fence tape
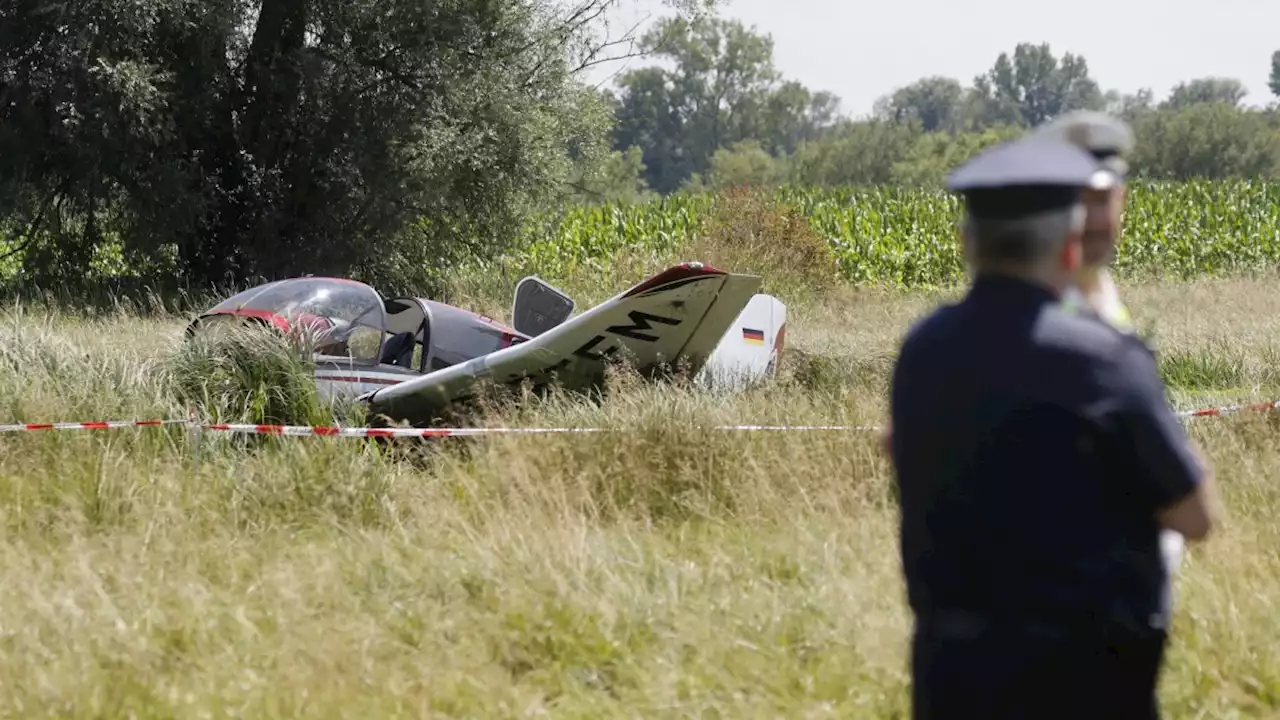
358, 432
303, 430
105, 425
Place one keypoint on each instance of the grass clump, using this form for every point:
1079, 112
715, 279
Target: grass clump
251, 374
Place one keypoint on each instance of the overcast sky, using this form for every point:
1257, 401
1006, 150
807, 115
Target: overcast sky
861, 50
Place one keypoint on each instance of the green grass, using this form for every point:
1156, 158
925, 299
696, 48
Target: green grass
655, 572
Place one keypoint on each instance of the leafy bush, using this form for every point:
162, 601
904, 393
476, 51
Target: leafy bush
747, 231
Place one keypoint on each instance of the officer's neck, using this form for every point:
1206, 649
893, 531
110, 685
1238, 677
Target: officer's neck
1088, 278
1047, 279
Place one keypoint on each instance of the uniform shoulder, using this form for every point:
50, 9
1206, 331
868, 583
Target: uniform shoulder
1116, 361
1085, 333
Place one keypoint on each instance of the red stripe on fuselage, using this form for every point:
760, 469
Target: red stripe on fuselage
356, 379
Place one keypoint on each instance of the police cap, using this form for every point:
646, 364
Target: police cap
1106, 137
1027, 176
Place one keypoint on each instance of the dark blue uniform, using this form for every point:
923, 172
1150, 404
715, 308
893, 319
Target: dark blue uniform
1032, 449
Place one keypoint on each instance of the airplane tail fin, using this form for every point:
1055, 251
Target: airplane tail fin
752, 347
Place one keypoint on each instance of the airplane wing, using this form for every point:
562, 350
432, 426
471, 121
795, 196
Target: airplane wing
676, 317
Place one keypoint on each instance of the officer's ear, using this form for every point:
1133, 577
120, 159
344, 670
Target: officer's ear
966, 241
1072, 255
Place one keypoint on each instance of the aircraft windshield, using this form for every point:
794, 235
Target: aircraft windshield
356, 319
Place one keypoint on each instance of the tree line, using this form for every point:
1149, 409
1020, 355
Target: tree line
717, 112
220, 141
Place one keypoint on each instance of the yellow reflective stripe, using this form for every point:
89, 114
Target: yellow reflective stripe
1119, 318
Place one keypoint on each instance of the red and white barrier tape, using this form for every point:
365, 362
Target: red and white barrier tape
1229, 409
309, 431
322, 431
107, 425
303, 430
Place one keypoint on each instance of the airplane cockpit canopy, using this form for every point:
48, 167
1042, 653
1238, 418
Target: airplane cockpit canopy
340, 318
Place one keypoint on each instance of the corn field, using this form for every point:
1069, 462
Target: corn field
899, 237
906, 237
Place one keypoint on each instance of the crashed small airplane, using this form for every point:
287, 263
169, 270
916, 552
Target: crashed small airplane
409, 358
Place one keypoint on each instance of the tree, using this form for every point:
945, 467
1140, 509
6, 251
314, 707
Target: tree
744, 164
853, 153
1228, 91
1130, 106
790, 115
722, 74
1206, 140
933, 156
721, 89
936, 102
248, 139
1274, 80
618, 177
1033, 87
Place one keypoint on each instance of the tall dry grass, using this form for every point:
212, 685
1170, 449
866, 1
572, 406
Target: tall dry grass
658, 571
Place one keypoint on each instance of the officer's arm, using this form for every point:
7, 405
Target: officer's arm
1194, 516
1173, 477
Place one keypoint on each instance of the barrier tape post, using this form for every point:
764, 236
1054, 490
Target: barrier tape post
195, 430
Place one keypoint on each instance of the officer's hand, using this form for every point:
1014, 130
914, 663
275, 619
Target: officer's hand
1194, 515
1199, 455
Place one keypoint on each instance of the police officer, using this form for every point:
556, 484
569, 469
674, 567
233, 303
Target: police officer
1108, 139
1036, 461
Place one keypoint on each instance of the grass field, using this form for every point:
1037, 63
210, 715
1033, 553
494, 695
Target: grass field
656, 572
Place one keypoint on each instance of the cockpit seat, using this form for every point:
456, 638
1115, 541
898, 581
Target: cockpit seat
398, 350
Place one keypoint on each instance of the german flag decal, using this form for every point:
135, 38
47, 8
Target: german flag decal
755, 337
